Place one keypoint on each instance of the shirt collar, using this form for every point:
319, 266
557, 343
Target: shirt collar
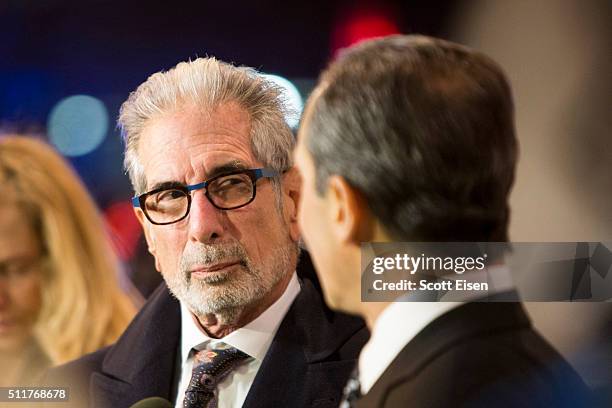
402, 320
399, 323
253, 339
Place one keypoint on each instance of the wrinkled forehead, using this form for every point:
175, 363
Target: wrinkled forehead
188, 143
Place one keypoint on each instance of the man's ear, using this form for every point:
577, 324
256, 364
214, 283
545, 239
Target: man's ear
146, 228
351, 219
292, 183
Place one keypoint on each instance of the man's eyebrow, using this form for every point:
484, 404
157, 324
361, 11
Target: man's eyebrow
165, 185
229, 167
224, 168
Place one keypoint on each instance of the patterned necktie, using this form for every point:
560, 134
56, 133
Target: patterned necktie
352, 390
210, 367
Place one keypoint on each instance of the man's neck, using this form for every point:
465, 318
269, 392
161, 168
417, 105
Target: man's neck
370, 311
218, 325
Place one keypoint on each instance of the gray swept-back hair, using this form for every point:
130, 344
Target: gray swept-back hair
208, 83
424, 128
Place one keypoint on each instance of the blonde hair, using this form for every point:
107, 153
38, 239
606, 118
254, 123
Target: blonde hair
208, 83
83, 308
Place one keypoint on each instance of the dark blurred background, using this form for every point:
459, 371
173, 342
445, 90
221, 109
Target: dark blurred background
66, 66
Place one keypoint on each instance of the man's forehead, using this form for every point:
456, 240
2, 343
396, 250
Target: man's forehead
185, 144
303, 132
307, 116
228, 122
299, 149
216, 169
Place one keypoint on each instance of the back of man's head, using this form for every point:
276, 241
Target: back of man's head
424, 129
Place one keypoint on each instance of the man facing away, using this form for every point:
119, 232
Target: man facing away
236, 324
410, 138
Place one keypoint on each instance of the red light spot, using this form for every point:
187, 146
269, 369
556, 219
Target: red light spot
362, 25
124, 229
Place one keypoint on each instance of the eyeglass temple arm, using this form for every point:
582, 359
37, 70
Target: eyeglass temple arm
266, 172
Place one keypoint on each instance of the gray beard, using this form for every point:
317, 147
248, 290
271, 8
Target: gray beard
227, 294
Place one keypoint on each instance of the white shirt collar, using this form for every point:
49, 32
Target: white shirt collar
253, 339
399, 323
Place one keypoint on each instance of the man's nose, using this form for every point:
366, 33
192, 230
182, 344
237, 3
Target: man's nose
205, 220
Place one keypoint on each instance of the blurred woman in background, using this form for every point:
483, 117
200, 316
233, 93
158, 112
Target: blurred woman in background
59, 292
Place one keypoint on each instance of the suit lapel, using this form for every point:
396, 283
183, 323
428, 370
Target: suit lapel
458, 324
142, 363
284, 360
295, 371
309, 360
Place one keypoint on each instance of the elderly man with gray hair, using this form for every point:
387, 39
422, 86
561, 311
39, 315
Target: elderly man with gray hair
240, 320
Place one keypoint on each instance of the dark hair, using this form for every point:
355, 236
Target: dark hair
424, 128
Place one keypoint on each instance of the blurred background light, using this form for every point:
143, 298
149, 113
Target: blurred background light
360, 25
124, 228
78, 124
26, 94
293, 97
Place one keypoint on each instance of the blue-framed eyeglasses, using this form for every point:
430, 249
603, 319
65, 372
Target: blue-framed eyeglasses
227, 191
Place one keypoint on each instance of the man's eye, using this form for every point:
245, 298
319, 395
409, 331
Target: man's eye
170, 195
230, 183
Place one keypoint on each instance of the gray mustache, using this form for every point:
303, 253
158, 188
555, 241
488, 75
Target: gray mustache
207, 254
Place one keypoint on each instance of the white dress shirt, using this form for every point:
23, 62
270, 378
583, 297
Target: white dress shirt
253, 339
401, 321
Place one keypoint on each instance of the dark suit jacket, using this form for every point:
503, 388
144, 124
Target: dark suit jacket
307, 365
478, 355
